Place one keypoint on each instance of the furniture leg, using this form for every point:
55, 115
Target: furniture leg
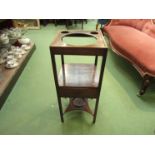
95, 111
145, 83
96, 59
63, 67
57, 87
62, 59
60, 109
100, 84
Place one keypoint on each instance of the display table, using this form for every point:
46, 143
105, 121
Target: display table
78, 81
8, 77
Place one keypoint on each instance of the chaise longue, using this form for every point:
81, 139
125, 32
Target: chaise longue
134, 40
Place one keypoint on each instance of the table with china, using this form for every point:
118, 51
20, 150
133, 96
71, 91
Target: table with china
78, 81
15, 51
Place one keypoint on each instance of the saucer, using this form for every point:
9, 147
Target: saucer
11, 64
26, 47
23, 52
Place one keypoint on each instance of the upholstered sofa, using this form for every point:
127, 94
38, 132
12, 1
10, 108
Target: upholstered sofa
134, 39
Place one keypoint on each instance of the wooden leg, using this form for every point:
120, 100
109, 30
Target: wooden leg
96, 59
95, 111
60, 109
63, 68
57, 86
145, 84
62, 59
100, 84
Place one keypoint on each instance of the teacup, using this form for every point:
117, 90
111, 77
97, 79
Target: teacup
26, 47
17, 55
10, 57
4, 39
24, 41
18, 49
11, 63
15, 33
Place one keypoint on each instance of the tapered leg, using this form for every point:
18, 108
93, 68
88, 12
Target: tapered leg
96, 59
60, 109
95, 111
145, 83
100, 83
57, 86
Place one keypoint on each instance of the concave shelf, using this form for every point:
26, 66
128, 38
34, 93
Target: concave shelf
78, 75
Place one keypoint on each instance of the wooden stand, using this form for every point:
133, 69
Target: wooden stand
78, 81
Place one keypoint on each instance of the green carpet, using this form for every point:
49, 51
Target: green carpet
31, 107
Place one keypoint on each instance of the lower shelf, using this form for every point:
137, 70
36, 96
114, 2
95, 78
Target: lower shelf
8, 77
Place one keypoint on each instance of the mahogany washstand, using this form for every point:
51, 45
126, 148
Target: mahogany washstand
78, 81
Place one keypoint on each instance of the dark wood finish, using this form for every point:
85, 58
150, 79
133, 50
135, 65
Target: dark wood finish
58, 42
78, 80
87, 92
57, 87
96, 60
99, 86
10, 76
74, 105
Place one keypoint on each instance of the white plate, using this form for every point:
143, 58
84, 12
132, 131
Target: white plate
12, 65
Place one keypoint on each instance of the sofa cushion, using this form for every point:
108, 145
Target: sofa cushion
135, 23
135, 45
